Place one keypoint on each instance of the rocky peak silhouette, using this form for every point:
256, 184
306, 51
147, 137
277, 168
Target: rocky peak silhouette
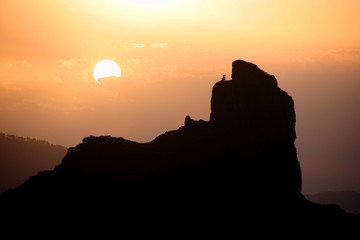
256, 116
249, 73
242, 161
253, 99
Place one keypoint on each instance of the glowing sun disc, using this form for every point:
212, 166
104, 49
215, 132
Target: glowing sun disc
106, 68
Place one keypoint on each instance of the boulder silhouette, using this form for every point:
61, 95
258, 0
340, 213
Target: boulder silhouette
241, 163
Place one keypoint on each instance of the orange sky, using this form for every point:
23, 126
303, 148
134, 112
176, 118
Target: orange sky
171, 53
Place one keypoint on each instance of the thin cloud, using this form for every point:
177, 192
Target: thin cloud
80, 71
160, 45
75, 62
135, 60
8, 65
26, 63
138, 45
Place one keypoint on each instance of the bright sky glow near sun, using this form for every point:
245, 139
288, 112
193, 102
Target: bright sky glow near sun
170, 54
154, 2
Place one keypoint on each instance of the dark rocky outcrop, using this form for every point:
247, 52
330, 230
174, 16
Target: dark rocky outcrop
241, 164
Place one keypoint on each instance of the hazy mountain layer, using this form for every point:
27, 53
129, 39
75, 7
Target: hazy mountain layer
21, 158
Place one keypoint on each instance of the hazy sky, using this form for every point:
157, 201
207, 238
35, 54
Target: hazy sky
171, 53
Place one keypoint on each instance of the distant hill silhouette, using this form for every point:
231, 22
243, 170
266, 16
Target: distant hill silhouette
347, 200
241, 166
22, 157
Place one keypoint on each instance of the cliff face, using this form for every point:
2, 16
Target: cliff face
242, 161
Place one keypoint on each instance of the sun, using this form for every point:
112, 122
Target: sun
106, 68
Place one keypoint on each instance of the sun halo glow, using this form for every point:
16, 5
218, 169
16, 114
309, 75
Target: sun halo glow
152, 2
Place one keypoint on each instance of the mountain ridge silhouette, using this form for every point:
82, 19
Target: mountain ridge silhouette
241, 163
347, 200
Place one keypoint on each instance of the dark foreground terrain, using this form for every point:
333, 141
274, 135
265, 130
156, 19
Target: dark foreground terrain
239, 167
